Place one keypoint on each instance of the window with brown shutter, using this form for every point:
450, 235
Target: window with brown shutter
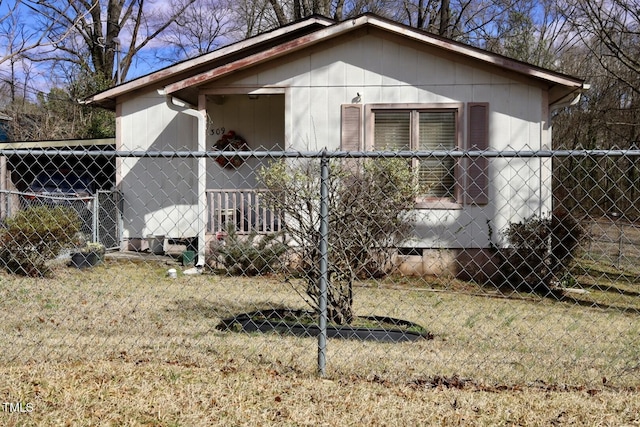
351, 131
351, 134
446, 182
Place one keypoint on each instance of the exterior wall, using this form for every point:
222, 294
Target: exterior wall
160, 195
314, 84
259, 120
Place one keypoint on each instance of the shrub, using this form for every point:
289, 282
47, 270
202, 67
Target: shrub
251, 255
541, 251
36, 235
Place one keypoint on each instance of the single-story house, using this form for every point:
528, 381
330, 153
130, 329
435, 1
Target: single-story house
352, 85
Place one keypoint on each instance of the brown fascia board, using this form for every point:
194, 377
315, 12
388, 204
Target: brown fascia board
194, 66
551, 78
483, 55
561, 84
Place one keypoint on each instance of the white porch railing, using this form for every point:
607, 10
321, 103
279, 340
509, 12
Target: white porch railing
243, 208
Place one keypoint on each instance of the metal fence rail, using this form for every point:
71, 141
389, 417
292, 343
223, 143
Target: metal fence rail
342, 263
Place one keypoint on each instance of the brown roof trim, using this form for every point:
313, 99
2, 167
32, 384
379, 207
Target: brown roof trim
551, 77
305, 33
192, 66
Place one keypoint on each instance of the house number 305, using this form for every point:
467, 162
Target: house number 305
216, 131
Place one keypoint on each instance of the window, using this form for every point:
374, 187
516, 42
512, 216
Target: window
446, 181
399, 129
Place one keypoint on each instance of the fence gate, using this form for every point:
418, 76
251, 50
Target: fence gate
106, 218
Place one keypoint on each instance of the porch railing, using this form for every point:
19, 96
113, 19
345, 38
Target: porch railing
243, 209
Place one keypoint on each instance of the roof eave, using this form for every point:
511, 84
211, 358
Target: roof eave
107, 98
564, 82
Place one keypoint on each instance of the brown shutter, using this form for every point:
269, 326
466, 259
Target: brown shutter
478, 167
351, 132
351, 136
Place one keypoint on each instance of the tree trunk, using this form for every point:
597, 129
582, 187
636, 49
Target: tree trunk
445, 18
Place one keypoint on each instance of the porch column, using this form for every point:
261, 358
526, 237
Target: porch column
201, 115
202, 179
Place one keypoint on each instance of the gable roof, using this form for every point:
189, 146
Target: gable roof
300, 35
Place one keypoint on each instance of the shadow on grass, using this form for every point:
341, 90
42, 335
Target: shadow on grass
592, 299
585, 301
612, 289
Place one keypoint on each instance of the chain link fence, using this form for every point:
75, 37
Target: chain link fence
496, 268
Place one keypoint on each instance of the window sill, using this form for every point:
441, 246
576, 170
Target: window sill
437, 204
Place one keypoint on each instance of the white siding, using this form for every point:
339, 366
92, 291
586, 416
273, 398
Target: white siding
259, 121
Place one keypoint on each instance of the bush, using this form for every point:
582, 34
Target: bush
541, 251
250, 256
36, 235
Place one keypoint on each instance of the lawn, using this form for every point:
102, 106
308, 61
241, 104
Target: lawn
123, 344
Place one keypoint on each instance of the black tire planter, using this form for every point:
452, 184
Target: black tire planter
283, 321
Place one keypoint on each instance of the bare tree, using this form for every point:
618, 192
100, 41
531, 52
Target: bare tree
89, 33
424, 14
286, 12
608, 116
533, 31
369, 215
611, 31
281, 12
15, 37
203, 27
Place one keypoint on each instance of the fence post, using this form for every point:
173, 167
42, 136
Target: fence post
324, 262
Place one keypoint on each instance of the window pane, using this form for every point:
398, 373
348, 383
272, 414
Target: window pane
437, 132
392, 130
436, 178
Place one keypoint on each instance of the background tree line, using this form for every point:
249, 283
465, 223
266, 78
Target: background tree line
58, 51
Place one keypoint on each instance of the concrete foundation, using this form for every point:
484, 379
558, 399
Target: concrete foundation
480, 265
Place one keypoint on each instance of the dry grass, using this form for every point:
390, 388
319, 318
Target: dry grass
122, 344
232, 393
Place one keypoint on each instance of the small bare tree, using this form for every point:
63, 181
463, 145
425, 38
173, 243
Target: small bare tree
369, 214
201, 28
